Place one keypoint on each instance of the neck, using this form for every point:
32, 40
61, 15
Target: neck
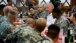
54, 40
50, 13
58, 17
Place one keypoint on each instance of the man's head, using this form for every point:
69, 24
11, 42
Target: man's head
40, 24
1, 9
9, 2
31, 10
31, 22
49, 7
12, 16
57, 4
53, 32
40, 7
7, 9
56, 13
73, 17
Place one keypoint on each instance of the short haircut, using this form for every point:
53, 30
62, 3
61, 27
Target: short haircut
56, 4
56, 10
30, 5
30, 8
53, 31
8, 0
7, 9
74, 14
12, 13
40, 24
30, 21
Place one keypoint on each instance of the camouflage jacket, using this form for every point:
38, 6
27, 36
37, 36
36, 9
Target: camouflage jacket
72, 27
6, 28
42, 14
34, 16
2, 19
25, 34
63, 23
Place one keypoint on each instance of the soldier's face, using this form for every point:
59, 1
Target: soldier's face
71, 18
32, 11
54, 14
40, 8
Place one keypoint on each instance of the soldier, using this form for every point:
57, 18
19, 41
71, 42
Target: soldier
1, 19
60, 20
31, 13
41, 12
7, 26
27, 34
40, 26
73, 25
53, 32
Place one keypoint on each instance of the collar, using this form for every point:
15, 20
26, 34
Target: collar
0, 15
50, 14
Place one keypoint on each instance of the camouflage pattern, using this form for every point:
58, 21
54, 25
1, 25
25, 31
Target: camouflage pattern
42, 14
5, 28
2, 19
34, 16
63, 23
72, 27
25, 34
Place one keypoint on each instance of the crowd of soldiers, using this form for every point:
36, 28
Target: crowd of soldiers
49, 18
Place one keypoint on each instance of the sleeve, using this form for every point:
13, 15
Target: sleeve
64, 26
7, 30
44, 15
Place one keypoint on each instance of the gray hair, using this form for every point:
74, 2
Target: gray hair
51, 4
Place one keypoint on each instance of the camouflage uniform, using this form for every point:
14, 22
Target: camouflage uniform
72, 27
25, 34
34, 16
63, 23
6, 28
42, 14
2, 19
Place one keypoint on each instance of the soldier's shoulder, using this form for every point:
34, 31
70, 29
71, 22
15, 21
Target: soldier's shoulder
45, 40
